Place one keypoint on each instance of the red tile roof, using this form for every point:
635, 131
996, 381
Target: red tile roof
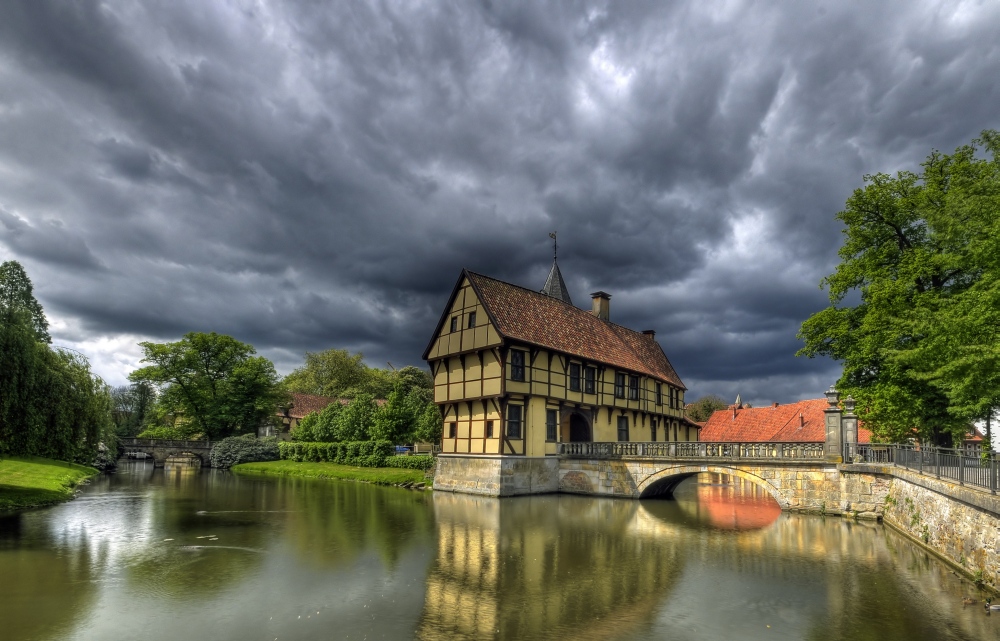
534, 318
779, 424
303, 404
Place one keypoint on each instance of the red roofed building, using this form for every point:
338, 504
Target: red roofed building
801, 422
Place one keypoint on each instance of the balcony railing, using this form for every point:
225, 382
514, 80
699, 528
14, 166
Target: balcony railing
961, 466
696, 450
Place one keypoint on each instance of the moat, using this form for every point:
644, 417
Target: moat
156, 554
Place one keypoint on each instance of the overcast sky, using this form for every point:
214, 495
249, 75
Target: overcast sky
306, 175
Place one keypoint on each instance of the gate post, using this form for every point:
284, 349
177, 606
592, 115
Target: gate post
834, 448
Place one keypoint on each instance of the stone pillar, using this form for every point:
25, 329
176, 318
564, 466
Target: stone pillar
834, 448
850, 430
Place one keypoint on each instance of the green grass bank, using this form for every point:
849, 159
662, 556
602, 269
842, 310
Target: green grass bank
34, 482
376, 475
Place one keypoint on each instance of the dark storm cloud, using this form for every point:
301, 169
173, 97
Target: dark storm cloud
305, 175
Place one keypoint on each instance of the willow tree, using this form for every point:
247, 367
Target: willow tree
915, 298
51, 404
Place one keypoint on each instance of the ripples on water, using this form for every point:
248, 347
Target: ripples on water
209, 555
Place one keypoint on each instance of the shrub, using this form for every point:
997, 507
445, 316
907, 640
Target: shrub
357, 453
420, 462
244, 449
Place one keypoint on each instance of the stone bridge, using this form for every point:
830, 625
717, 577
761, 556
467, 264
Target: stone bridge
798, 475
160, 449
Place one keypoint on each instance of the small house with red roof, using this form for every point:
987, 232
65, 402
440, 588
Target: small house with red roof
800, 422
517, 371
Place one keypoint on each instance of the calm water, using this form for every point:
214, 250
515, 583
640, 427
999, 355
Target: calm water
146, 554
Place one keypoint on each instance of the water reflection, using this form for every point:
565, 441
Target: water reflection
556, 567
166, 555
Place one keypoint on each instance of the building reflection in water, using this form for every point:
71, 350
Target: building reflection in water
727, 502
558, 567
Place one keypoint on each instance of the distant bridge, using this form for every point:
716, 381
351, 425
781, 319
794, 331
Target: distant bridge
160, 449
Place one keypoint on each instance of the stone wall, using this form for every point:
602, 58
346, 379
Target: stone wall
496, 476
957, 523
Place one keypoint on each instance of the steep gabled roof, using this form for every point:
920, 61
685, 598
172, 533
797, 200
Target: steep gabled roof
555, 286
304, 404
776, 424
535, 318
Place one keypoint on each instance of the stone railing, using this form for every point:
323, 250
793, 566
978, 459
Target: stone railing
157, 442
966, 468
695, 450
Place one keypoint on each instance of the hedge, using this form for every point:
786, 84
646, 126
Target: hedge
418, 462
357, 453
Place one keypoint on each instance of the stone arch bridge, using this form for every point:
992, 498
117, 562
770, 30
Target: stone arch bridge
160, 449
798, 475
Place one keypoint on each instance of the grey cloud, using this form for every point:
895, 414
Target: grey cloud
306, 175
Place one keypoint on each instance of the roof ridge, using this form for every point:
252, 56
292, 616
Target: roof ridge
522, 287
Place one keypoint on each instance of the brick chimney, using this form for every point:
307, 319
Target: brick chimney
649, 332
602, 305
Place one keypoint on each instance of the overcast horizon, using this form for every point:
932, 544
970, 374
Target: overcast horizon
305, 176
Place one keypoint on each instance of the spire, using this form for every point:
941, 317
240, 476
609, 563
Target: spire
555, 286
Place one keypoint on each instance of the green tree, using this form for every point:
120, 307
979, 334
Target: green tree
333, 373
701, 409
395, 420
16, 295
356, 420
213, 380
915, 297
429, 425
131, 407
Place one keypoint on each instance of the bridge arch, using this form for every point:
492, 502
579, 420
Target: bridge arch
664, 482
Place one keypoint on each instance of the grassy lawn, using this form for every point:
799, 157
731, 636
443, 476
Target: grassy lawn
376, 475
32, 481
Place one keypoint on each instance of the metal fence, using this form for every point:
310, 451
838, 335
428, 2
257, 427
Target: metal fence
963, 467
695, 450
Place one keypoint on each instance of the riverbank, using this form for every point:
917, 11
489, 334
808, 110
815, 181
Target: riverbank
27, 482
374, 475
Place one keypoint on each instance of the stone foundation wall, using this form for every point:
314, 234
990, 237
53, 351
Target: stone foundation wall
496, 476
959, 524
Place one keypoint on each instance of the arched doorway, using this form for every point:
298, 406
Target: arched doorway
579, 429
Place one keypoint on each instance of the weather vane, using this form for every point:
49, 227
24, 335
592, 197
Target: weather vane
555, 245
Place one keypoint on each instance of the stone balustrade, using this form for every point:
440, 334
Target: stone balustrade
695, 450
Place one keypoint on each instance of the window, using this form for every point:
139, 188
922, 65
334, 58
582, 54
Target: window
672, 394
574, 377
454, 323
452, 429
619, 386
472, 319
633, 388
659, 395
516, 365
589, 376
514, 421
489, 429
550, 424
622, 428
652, 430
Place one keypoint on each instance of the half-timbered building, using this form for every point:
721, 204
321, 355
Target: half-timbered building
518, 371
